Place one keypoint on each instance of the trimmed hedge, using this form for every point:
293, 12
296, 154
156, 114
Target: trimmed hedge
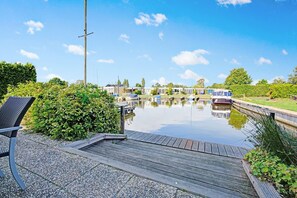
68, 113
282, 90
250, 90
15, 73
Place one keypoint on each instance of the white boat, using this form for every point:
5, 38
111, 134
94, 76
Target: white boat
221, 111
133, 97
221, 96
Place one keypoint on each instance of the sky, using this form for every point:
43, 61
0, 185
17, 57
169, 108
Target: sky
163, 41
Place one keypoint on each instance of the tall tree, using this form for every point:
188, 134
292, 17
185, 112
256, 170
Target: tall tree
138, 85
293, 77
200, 83
238, 76
126, 83
262, 82
278, 81
142, 82
119, 82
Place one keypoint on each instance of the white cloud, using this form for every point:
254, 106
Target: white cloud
222, 76
145, 56
161, 81
150, 20
234, 62
125, 38
284, 52
29, 55
50, 76
44, 68
189, 74
263, 60
195, 57
161, 35
233, 2
33, 26
75, 49
108, 61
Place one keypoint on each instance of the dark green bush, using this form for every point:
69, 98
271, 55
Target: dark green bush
270, 168
282, 90
14, 73
69, 113
138, 92
249, 90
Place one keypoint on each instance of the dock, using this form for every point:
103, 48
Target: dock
202, 168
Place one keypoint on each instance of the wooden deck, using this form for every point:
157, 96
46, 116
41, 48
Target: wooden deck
207, 174
205, 147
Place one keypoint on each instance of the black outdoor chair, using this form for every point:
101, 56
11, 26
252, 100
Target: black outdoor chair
11, 115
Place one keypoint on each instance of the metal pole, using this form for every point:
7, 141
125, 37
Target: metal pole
85, 36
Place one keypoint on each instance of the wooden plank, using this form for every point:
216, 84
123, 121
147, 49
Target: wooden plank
215, 149
135, 135
139, 136
236, 152
189, 145
151, 139
201, 147
166, 140
243, 151
177, 143
229, 151
215, 163
195, 146
146, 137
183, 143
171, 142
207, 147
222, 150
158, 137
148, 162
160, 141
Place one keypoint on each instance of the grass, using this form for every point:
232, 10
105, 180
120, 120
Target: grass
281, 103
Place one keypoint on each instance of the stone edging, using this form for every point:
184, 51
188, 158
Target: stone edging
263, 189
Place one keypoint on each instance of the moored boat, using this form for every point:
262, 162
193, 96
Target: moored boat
221, 96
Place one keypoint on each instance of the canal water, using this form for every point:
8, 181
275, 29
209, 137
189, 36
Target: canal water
193, 120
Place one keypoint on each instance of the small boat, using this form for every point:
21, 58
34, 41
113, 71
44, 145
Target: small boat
221, 96
133, 97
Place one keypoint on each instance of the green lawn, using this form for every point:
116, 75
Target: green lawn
282, 103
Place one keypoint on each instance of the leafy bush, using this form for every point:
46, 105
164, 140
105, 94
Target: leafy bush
138, 92
250, 90
69, 113
269, 168
268, 135
282, 90
154, 91
14, 73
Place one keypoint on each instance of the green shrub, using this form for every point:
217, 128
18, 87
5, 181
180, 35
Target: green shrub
282, 90
14, 73
268, 135
269, 168
69, 113
154, 91
250, 90
138, 92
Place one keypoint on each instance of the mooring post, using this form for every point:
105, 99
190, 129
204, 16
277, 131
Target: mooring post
122, 119
272, 115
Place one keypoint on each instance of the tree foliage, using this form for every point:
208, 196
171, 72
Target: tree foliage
279, 81
238, 76
200, 83
142, 82
293, 77
58, 81
15, 73
262, 82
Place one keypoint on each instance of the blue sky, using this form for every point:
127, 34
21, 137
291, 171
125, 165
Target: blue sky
162, 40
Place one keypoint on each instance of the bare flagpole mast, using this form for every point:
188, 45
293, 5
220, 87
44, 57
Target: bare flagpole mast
85, 36
85, 44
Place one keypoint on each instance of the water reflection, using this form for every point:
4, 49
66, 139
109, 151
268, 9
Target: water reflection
194, 120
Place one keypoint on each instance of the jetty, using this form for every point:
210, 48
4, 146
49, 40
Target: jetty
201, 168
